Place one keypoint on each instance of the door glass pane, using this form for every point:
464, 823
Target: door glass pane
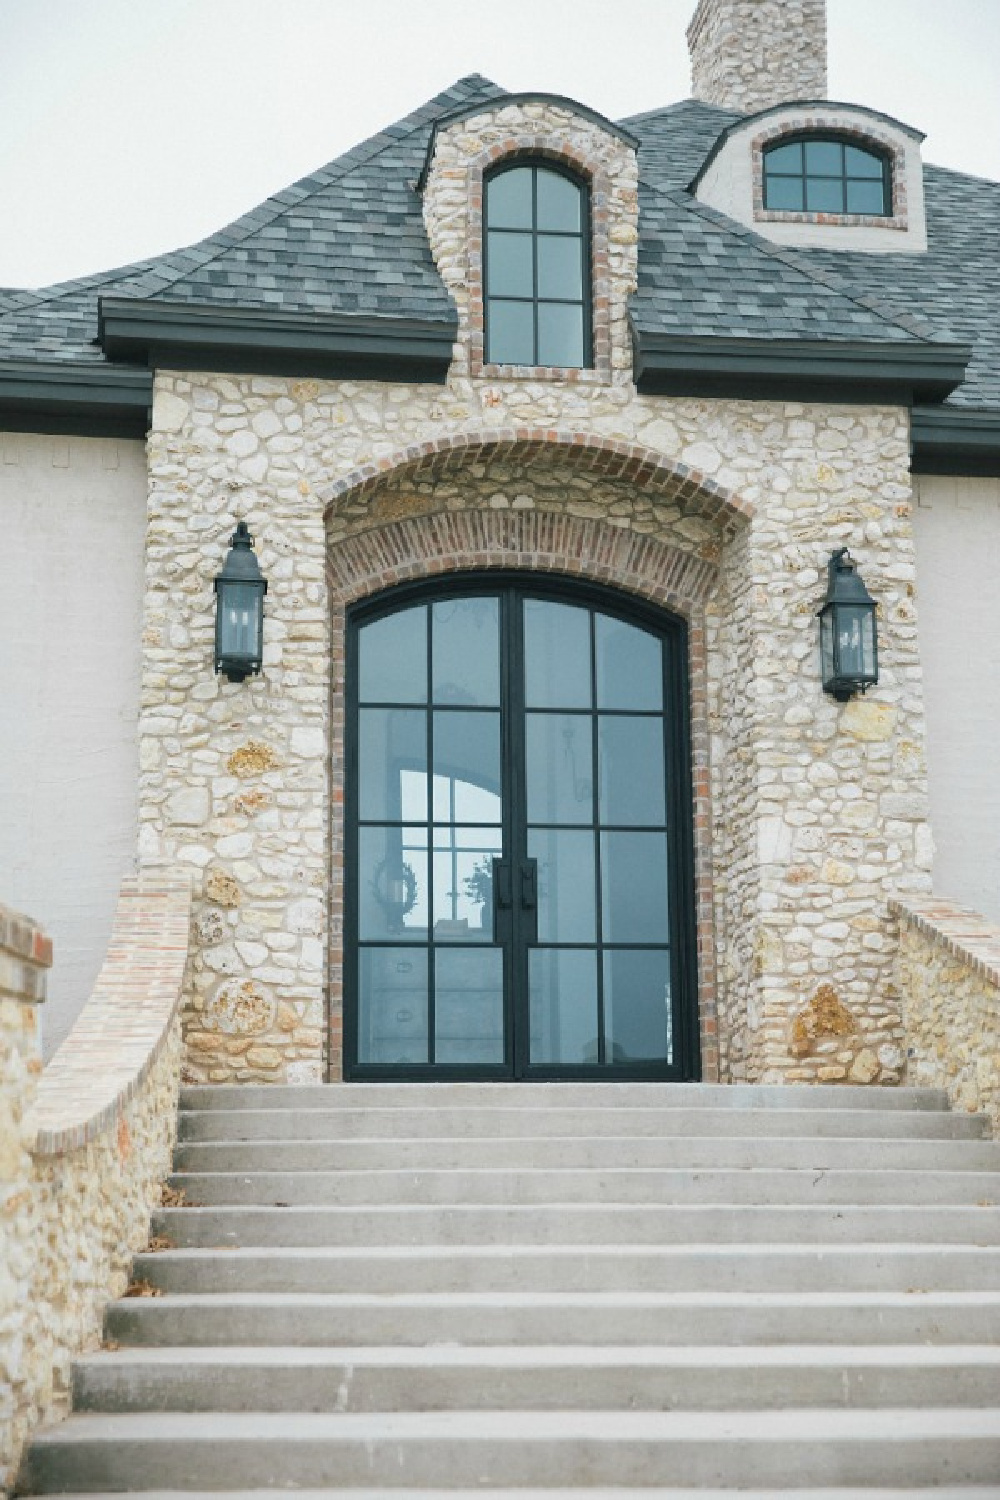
629, 666
392, 658
468, 1005
634, 887
560, 267
566, 903
559, 759
392, 764
556, 655
393, 891
559, 202
637, 1020
563, 1005
824, 158
508, 199
466, 651
511, 328
463, 883
560, 335
392, 1005
824, 195
630, 757
466, 767
509, 270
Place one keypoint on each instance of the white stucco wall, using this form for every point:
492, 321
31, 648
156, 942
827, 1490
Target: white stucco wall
957, 524
72, 523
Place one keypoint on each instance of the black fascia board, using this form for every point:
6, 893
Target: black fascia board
191, 335
954, 440
828, 369
74, 397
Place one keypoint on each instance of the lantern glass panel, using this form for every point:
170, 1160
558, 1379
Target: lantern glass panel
855, 643
241, 621
826, 644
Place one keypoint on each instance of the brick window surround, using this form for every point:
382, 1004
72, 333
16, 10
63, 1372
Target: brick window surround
423, 546
818, 124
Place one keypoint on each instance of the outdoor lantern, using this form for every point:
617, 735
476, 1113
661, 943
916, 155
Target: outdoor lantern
848, 639
239, 609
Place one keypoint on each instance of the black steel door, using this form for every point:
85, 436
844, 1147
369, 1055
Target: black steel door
519, 890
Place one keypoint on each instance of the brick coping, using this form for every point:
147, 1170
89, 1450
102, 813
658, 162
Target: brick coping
121, 1030
958, 929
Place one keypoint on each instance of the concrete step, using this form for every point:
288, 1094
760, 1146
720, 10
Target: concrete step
503, 1122
619, 1378
685, 1267
626, 1182
607, 1222
480, 1319
867, 1492
451, 1449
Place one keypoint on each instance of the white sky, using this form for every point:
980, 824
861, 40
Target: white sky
128, 127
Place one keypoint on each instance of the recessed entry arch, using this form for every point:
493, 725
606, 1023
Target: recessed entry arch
519, 870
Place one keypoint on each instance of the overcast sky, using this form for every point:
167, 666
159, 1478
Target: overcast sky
129, 127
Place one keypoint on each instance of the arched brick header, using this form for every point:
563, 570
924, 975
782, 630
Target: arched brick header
587, 453
539, 542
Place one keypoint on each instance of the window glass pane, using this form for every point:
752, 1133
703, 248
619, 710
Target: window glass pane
824, 196
559, 763
508, 199
866, 198
468, 1005
824, 158
508, 268
563, 987
634, 887
784, 158
392, 658
463, 883
566, 906
466, 651
466, 767
630, 757
392, 764
392, 883
511, 333
556, 655
560, 266
784, 193
559, 202
860, 163
560, 335
392, 1005
637, 1019
629, 666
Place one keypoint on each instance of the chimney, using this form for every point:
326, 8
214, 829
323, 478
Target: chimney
749, 54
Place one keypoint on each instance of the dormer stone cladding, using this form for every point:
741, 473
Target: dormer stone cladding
453, 215
749, 54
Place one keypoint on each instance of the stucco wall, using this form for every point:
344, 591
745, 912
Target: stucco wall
957, 523
72, 513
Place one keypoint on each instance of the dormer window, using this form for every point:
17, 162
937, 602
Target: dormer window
536, 268
825, 175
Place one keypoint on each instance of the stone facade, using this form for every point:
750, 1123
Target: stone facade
749, 54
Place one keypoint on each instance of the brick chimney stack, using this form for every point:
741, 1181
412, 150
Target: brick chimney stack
749, 54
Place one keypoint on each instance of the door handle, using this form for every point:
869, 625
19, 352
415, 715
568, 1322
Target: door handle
503, 886
529, 885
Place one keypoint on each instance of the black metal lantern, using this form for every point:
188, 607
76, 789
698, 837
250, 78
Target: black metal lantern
239, 610
848, 638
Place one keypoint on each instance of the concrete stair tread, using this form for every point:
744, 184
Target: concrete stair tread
938, 1492
473, 1299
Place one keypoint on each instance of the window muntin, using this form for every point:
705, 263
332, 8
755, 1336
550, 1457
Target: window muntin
826, 175
536, 268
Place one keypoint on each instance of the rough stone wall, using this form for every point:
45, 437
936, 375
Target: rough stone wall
747, 55
949, 976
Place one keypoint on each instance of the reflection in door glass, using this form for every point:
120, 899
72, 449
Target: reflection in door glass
559, 761
466, 652
556, 655
566, 905
629, 666
634, 887
392, 1006
392, 665
563, 985
468, 1005
637, 1021
392, 883
463, 883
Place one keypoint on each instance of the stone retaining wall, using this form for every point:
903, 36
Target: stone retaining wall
949, 978
84, 1145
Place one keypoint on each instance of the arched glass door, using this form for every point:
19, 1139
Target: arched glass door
519, 889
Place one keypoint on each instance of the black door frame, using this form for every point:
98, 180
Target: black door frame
672, 630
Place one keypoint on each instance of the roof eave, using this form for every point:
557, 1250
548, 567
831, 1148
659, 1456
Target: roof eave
94, 399
955, 440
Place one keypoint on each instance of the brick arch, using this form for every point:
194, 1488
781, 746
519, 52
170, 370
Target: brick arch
422, 547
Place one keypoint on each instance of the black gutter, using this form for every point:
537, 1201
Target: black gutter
192, 336
954, 440
95, 400
797, 369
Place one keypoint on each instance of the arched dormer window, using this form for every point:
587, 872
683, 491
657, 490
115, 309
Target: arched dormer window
822, 174
536, 267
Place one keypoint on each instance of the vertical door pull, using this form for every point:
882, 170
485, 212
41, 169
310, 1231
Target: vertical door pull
503, 894
529, 884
